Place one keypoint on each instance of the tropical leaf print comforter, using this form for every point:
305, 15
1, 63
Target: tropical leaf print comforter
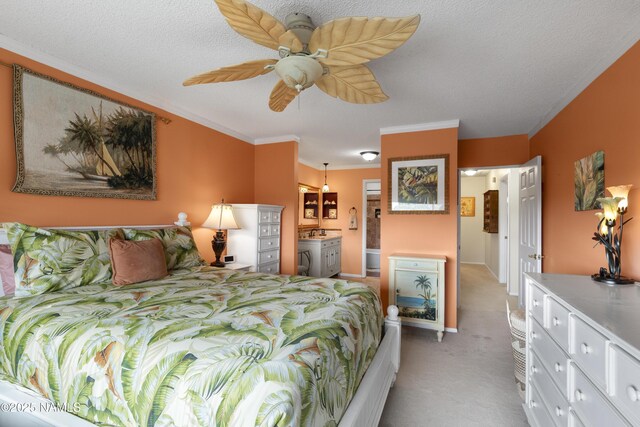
200, 348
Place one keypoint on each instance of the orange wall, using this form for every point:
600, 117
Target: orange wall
348, 184
276, 183
190, 175
310, 176
499, 151
603, 117
421, 234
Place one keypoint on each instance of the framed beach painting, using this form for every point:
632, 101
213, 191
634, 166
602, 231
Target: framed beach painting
419, 185
72, 141
588, 179
467, 206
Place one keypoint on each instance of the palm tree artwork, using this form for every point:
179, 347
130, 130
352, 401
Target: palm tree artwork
418, 185
428, 309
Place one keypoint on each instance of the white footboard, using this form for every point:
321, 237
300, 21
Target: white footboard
366, 406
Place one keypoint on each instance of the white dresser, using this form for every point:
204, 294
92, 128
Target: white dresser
416, 286
325, 255
583, 362
257, 242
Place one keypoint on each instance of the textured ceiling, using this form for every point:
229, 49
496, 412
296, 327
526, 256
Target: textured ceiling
500, 66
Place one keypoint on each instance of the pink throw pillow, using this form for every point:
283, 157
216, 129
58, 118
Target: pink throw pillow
137, 261
6, 270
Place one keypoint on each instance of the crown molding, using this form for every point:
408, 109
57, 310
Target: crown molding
590, 75
276, 139
92, 77
314, 165
446, 124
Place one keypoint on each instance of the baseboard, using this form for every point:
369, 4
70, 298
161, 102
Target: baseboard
474, 263
452, 330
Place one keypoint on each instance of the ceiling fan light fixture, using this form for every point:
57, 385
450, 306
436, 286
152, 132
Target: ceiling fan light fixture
298, 72
369, 155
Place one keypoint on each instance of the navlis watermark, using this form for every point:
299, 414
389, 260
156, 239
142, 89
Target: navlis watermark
39, 407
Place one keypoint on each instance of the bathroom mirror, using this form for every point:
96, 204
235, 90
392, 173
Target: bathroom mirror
309, 206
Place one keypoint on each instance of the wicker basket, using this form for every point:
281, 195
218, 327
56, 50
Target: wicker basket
517, 325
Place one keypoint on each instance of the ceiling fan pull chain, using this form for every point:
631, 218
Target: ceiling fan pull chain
299, 96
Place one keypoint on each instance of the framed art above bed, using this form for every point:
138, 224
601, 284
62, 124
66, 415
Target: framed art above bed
71, 141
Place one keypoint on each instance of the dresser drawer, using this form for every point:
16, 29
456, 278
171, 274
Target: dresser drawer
275, 217
625, 382
330, 243
540, 414
272, 268
574, 420
268, 256
588, 348
417, 265
589, 403
536, 303
275, 230
558, 323
264, 230
553, 358
555, 401
268, 243
264, 217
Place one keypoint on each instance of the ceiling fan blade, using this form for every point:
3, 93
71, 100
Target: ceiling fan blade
355, 84
232, 73
281, 96
352, 41
290, 40
252, 22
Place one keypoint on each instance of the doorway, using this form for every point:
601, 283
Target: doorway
371, 209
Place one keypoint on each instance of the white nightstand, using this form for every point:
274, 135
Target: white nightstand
235, 266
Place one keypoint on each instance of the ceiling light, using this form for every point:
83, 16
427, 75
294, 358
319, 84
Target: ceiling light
325, 187
369, 155
470, 172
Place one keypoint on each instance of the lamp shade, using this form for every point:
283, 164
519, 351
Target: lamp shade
621, 191
221, 218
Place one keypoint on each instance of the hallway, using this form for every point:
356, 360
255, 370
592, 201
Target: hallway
467, 380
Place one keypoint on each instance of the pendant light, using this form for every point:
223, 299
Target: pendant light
325, 187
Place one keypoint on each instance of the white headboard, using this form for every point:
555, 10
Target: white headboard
182, 221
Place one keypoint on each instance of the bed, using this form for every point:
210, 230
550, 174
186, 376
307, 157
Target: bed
200, 347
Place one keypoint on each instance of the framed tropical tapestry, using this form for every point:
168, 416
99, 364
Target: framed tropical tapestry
72, 141
588, 179
419, 185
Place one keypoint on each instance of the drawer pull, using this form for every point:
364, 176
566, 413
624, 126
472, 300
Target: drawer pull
533, 369
534, 404
269, 256
534, 335
536, 303
585, 348
579, 396
270, 243
559, 411
555, 321
633, 393
557, 367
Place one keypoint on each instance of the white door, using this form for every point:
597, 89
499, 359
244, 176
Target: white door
530, 200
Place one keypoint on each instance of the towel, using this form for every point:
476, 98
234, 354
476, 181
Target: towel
353, 219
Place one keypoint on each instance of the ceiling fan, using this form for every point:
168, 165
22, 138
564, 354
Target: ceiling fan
330, 56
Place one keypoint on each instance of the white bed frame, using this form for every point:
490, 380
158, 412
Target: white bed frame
22, 407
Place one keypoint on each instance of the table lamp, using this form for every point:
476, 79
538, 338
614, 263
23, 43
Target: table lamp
220, 219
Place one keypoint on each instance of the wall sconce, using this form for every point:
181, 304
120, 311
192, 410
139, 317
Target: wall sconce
325, 187
369, 155
220, 219
612, 207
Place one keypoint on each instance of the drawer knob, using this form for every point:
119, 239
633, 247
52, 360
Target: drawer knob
557, 367
533, 369
555, 321
585, 348
633, 393
270, 243
536, 303
269, 256
534, 335
534, 404
579, 396
559, 411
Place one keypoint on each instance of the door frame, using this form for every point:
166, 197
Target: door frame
460, 175
363, 219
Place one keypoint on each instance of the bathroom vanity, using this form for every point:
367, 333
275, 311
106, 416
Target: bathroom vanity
324, 254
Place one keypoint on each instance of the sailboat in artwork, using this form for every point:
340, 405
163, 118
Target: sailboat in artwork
105, 166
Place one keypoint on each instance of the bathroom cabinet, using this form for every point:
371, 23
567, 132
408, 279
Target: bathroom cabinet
325, 255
